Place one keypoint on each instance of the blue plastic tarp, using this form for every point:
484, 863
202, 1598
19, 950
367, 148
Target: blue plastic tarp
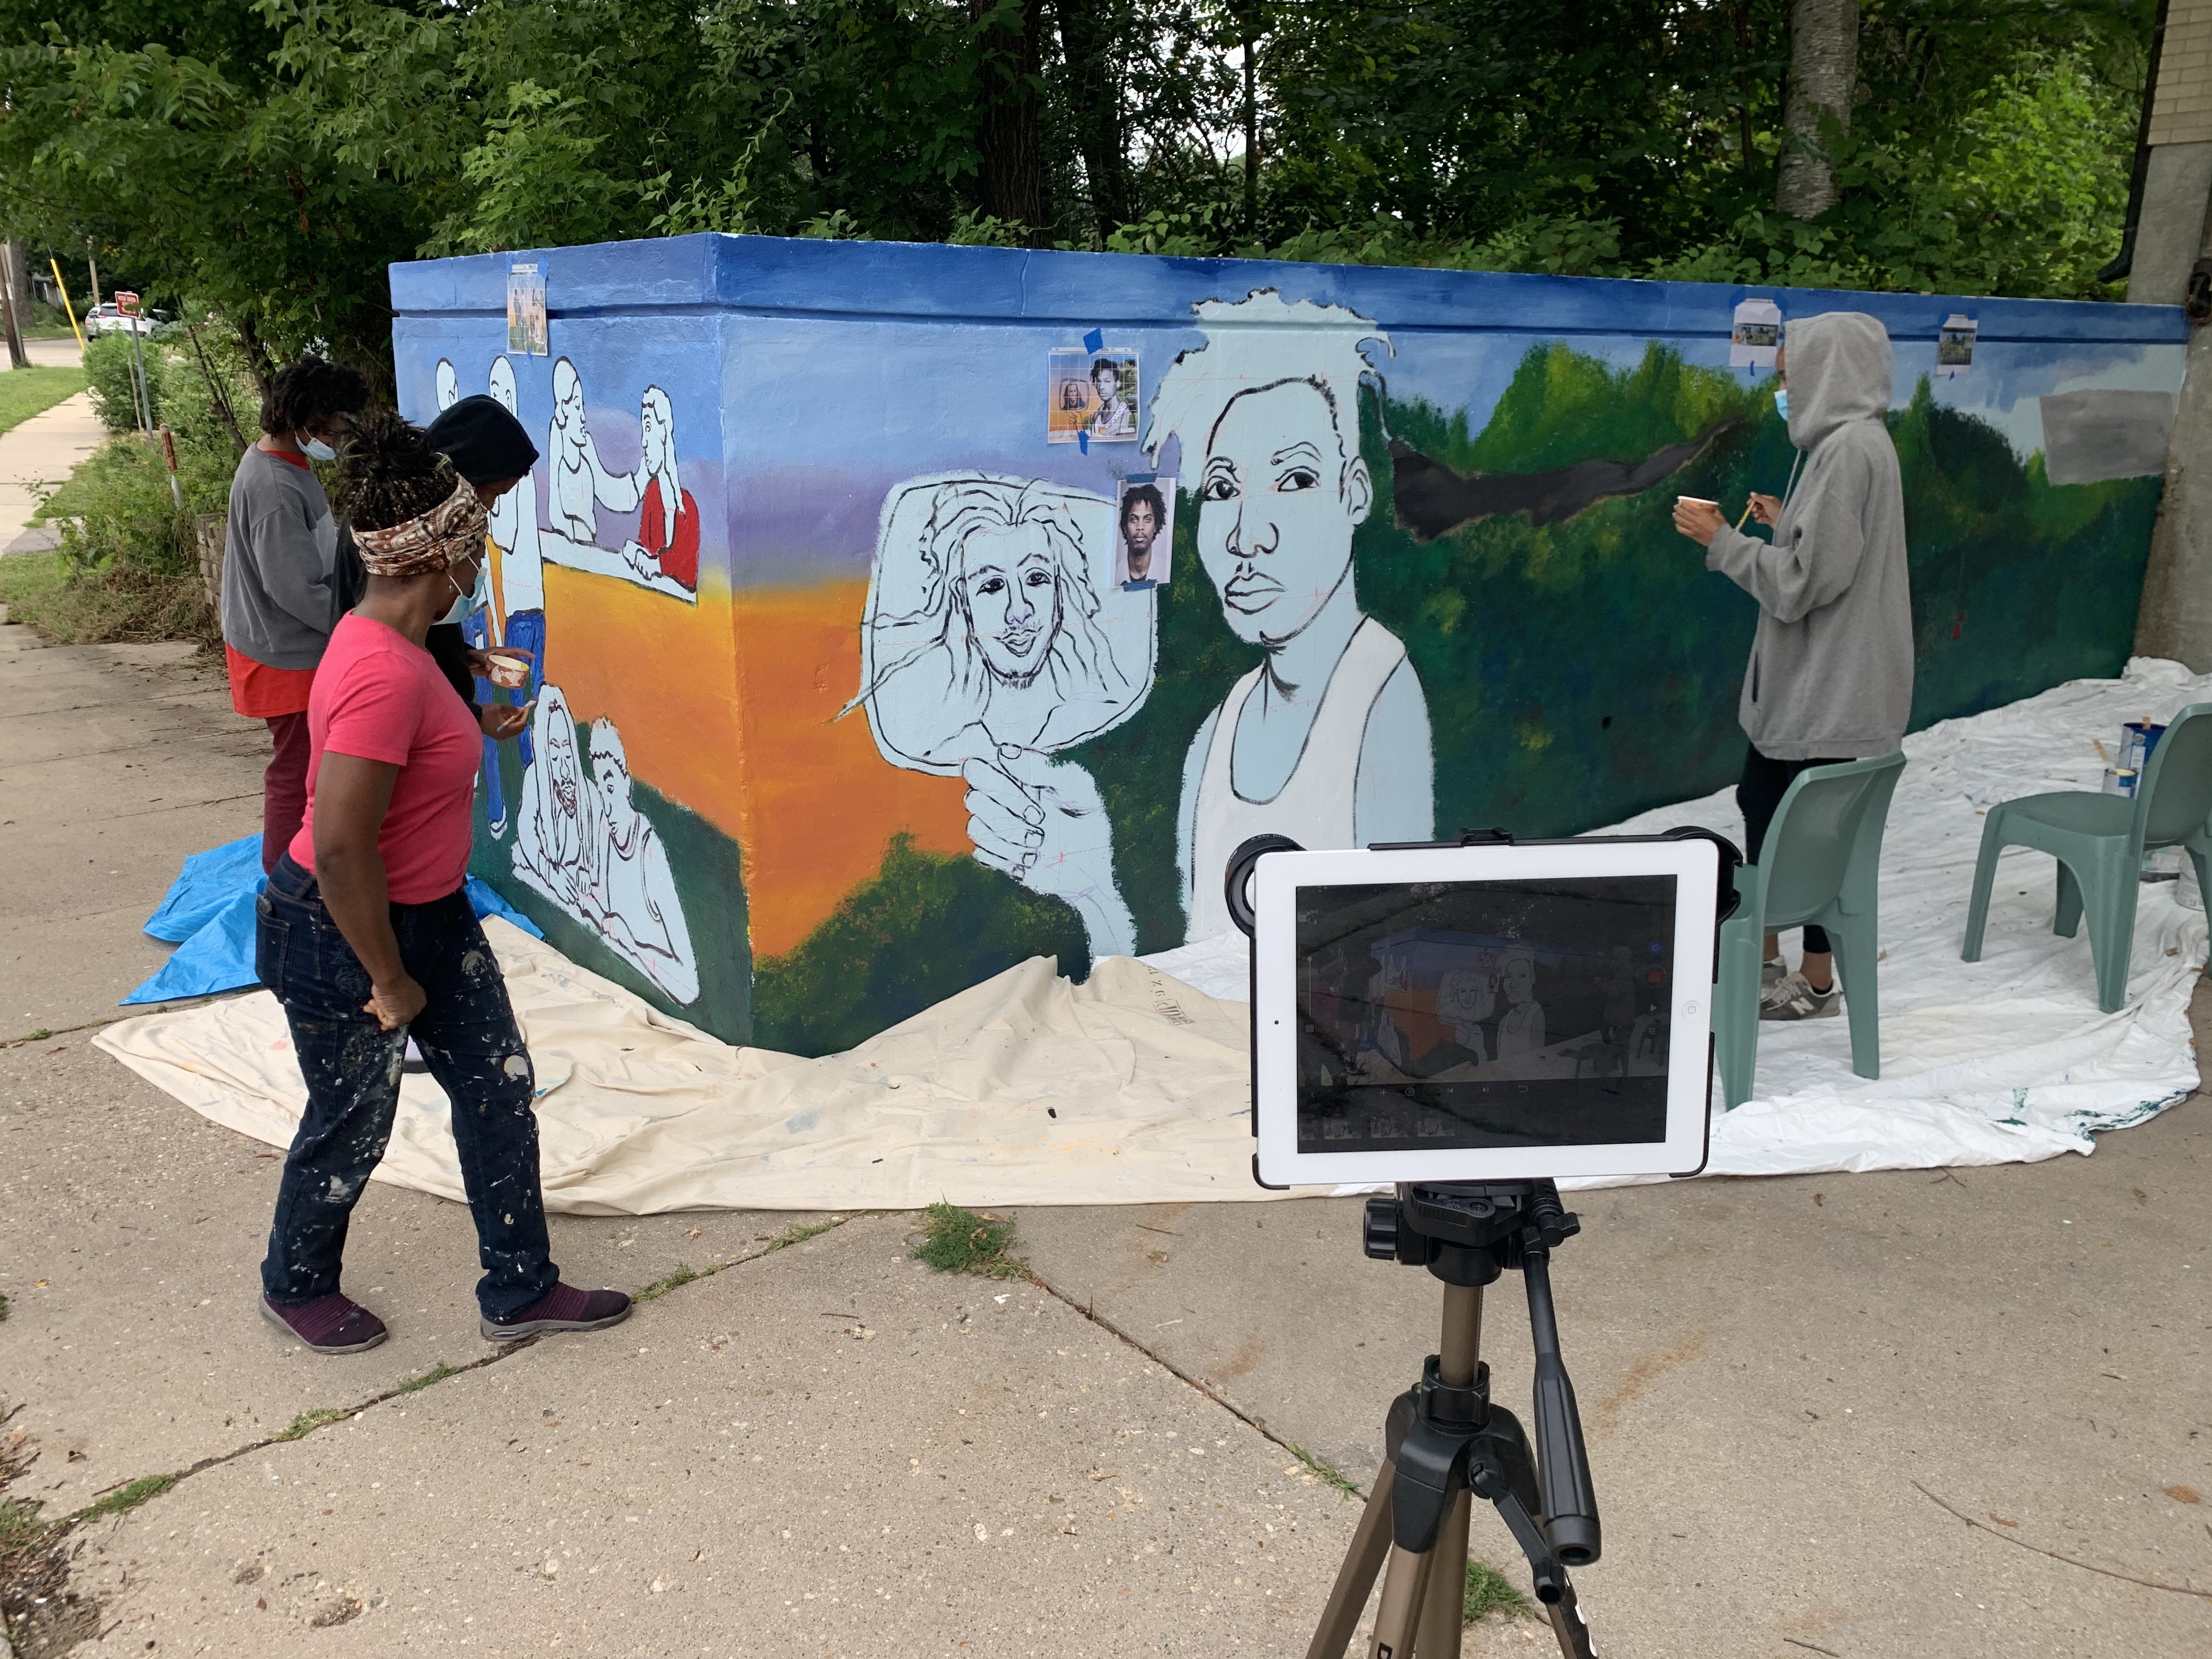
208, 912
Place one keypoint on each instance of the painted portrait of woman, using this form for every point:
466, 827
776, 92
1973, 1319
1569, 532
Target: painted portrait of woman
994, 638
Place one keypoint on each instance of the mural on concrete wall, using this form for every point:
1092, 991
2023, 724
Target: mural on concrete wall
864, 683
563, 820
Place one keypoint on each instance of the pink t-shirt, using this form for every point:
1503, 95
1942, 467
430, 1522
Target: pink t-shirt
379, 697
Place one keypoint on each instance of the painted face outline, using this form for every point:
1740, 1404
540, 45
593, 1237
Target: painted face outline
502, 383
1279, 500
1520, 981
1013, 620
656, 436
1465, 998
568, 399
562, 774
621, 816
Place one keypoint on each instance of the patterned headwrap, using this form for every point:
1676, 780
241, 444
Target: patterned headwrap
452, 530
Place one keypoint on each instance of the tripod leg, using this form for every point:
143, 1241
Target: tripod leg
1405, 1586
1566, 1616
1443, 1609
1347, 1600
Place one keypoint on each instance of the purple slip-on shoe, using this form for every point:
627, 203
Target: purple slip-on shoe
566, 1309
330, 1324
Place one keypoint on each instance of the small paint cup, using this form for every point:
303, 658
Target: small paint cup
1697, 501
2120, 781
510, 670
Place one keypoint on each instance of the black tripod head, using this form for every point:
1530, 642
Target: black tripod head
1467, 1232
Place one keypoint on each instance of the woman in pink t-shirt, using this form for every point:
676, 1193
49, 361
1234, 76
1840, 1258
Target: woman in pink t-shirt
367, 937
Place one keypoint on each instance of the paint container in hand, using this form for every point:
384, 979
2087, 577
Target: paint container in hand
509, 669
2137, 740
2120, 781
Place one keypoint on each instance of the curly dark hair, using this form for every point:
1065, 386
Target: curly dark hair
1149, 495
390, 474
312, 389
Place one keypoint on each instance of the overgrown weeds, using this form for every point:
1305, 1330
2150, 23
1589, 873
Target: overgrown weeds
307, 1422
118, 604
799, 1231
124, 1498
683, 1275
128, 568
957, 1241
1489, 1591
437, 1373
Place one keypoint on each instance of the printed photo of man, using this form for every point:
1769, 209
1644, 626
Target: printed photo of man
1147, 535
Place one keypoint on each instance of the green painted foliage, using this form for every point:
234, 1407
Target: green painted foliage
929, 924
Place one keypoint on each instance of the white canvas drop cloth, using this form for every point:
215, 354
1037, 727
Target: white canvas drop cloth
2007, 1059
1130, 1088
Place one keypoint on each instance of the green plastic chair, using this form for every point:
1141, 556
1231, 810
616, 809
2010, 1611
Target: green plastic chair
2100, 839
1821, 864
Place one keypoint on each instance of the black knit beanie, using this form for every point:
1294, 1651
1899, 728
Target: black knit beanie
483, 442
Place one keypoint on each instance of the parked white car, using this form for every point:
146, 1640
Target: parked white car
105, 319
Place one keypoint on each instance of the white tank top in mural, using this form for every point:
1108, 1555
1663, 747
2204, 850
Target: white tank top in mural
1314, 807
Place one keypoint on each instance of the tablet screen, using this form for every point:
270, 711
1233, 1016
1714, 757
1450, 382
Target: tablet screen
1480, 1014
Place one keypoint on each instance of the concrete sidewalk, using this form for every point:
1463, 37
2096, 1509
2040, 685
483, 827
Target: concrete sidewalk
1901, 1414
44, 450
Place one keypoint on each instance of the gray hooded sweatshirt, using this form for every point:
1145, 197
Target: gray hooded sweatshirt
280, 581
1831, 673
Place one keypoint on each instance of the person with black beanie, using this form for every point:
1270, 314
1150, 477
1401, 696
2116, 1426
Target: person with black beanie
489, 447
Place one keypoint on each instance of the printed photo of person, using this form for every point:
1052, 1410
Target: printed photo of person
1114, 393
1145, 514
1091, 395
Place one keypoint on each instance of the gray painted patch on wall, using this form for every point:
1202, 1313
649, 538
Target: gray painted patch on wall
2091, 436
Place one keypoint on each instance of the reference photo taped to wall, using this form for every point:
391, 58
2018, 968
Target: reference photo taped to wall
1473, 1014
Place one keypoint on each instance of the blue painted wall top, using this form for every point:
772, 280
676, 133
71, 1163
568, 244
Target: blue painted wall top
767, 273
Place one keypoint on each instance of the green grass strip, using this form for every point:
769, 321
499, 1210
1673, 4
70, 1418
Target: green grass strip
28, 392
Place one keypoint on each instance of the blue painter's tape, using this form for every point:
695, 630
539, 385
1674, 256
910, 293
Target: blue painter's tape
1095, 341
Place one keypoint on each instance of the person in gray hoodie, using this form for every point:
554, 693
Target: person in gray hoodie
285, 579
1830, 672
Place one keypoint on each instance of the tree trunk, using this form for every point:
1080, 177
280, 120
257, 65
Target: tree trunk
1251, 142
16, 283
1013, 158
1094, 92
1824, 69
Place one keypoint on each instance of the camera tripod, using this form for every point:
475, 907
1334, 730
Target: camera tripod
1448, 1444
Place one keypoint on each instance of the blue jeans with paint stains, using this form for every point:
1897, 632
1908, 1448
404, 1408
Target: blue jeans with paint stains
469, 1039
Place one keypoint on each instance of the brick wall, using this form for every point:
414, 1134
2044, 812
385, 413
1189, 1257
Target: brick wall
2182, 113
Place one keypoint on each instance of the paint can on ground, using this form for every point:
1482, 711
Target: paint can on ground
2120, 781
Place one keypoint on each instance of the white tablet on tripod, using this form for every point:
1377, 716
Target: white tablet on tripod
1486, 1012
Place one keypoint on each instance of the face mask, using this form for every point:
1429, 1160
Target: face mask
1782, 401
318, 448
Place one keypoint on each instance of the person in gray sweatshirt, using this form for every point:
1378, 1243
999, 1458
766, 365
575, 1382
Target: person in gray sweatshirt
284, 582
1830, 672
